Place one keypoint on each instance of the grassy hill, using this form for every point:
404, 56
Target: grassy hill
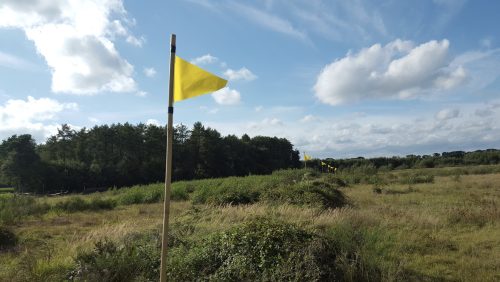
359, 225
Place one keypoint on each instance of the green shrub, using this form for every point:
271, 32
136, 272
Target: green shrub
259, 250
147, 194
7, 238
231, 191
335, 180
310, 193
76, 204
137, 258
16, 207
417, 178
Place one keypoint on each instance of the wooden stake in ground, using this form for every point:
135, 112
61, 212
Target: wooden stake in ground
168, 167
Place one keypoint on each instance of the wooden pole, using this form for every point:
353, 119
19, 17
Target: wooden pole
168, 167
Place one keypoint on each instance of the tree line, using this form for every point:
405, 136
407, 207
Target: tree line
124, 154
444, 159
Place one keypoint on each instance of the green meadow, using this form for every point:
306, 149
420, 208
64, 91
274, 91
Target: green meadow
436, 224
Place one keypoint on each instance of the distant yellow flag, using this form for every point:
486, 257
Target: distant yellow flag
322, 163
307, 157
191, 81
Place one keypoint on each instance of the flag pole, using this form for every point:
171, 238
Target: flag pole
168, 167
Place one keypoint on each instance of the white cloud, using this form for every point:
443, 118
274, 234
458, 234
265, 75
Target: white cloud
265, 124
241, 74
446, 114
153, 121
384, 134
138, 42
397, 70
94, 120
31, 116
227, 96
149, 72
258, 108
76, 40
308, 118
268, 20
204, 60
483, 112
142, 93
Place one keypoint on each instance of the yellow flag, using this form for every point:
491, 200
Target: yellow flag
322, 163
307, 157
191, 81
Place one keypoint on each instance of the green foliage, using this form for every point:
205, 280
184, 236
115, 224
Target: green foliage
231, 191
310, 193
261, 249
20, 163
120, 155
147, 194
270, 250
76, 204
7, 238
416, 178
136, 259
6, 190
14, 208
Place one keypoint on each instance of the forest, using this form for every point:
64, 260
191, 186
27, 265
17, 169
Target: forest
118, 155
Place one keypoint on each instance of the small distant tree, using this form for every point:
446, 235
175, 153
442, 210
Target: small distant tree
21, 165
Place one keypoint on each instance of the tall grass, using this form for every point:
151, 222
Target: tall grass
13, 209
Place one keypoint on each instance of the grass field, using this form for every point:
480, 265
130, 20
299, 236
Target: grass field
409, 225
6, 190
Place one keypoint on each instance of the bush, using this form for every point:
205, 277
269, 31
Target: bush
16, 207
335, 181
258, 250
76, 204
147, 194
7, 238
270, 250
310, 193
231, 191
137, 258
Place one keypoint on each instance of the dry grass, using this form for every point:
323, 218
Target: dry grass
446, 230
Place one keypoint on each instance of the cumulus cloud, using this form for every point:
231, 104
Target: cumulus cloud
462, 127
241, 74
153, 121
446, 114
398, 70
142, 93
204, 60
80, 52
33, 116
266, 124
227, 96
94, 120
308, 118
135, 41
149, 72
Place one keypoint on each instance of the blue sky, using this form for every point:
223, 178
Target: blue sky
337, 78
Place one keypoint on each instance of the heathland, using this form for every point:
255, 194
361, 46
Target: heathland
361, 224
